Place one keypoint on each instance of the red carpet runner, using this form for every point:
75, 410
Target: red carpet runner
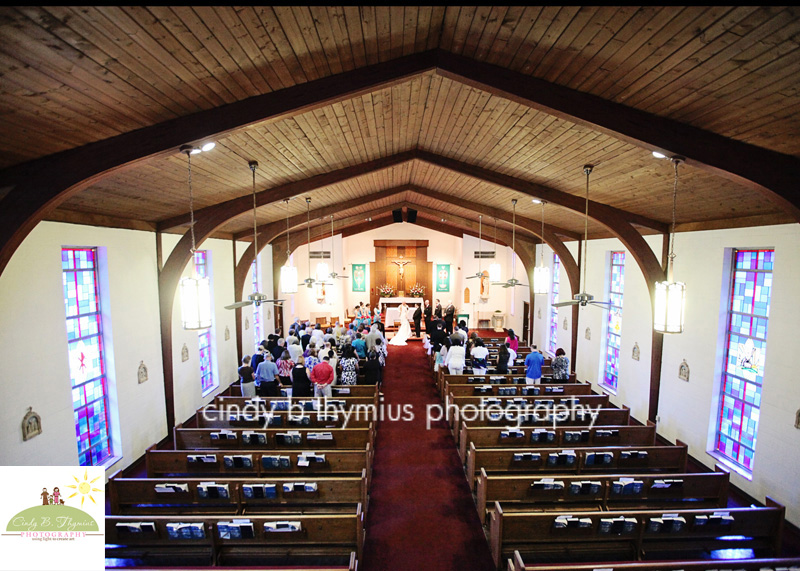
421, 513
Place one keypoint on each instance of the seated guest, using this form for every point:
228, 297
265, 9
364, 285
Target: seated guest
247, 378
285, 366
360, 346
479, 356
560, 366
301, 384
372, 370
322, 377
348, 365
267, 378
454, 361
502, 361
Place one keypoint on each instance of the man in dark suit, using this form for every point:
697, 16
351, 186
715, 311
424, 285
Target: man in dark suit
437, 312
427, 314
417, 319
449, 316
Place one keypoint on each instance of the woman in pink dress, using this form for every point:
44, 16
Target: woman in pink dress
513, 341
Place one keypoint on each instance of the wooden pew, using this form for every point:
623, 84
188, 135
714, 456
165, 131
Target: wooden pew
602, 492
515, 376
634, 534
265, 464
284, 419
273, 438
497, 433
471, 389
534, 403
236, 496
248, 404
575, 460
783, 564
209, 540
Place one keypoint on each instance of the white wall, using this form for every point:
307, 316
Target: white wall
497, 300
33, 344
249, 341
186, 375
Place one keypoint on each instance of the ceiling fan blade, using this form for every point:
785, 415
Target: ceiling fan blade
565, 303
603, 304
471, 277
523, 285
238, 304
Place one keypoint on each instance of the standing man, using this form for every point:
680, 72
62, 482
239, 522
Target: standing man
267, 384
437, 312
533, 366
449, 316
428, 313
417, 319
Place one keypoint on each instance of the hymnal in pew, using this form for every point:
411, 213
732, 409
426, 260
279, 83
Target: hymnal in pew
223, 435
306, 458
276, 462
568, 521
266, 491
202, 458
170, 488
527, 457
576, 436
593, 458
290, 487
282, 526
319, 436
627, 486
212, 490
236, 529
617, 525
177, 530
136, 527
547, 484
666, 484
288, 438
667, 523
584, 487
239, 461
254, 438
543, 435
563, 458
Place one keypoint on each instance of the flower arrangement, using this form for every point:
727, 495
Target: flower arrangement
417, 290
386, 290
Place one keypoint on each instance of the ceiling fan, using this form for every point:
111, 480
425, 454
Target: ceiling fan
256, 298
333, 274
309, 281
479, 273
512, 281
583, 299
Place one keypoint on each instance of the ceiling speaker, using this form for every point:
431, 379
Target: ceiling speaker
412, 216
397, 215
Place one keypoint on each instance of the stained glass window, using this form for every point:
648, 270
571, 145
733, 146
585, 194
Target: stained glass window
207, 380
85, 349
745, 353
257, 325
614, 320
553, 343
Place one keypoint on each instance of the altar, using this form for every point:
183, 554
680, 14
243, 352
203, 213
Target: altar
392, 304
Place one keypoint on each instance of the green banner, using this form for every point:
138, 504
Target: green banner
442, 277
360, 277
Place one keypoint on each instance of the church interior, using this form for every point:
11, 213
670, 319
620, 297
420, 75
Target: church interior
178, 183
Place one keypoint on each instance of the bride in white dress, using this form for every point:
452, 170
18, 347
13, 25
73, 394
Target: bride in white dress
404, 332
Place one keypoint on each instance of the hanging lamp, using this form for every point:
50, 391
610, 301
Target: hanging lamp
288, 271
670, 298
541, 273
494, 268
195, 290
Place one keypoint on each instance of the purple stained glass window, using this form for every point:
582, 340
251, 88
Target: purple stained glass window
207, 380
614, 320
554, 310
745, 354
85, 351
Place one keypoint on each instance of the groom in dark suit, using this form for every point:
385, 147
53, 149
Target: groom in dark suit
417, 319
449, 316
428, 314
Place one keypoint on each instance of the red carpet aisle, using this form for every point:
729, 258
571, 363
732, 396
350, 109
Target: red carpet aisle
421, 513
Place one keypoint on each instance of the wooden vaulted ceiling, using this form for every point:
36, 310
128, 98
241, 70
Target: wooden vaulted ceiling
511, 102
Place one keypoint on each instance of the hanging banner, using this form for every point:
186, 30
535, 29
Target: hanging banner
442, 277
359, 277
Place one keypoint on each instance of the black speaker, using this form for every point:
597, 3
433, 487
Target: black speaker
397, 215
412, 216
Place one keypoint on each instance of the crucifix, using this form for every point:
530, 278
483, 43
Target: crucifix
400, 271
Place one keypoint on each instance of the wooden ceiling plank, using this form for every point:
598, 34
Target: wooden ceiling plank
409, 29
263, 52
317, 17
369, 29
565, 47
173, 50
515, 32
108, 55
532, 42
312, 64
493, 27
449, 24
355, 35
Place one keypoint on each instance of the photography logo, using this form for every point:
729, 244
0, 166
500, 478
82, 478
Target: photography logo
57, 514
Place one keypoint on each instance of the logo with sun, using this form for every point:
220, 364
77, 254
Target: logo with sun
51, 512
84, 488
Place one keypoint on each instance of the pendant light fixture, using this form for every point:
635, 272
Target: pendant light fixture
195, 290
288, 271
541, 273
670, 298
494, 268
513, 281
